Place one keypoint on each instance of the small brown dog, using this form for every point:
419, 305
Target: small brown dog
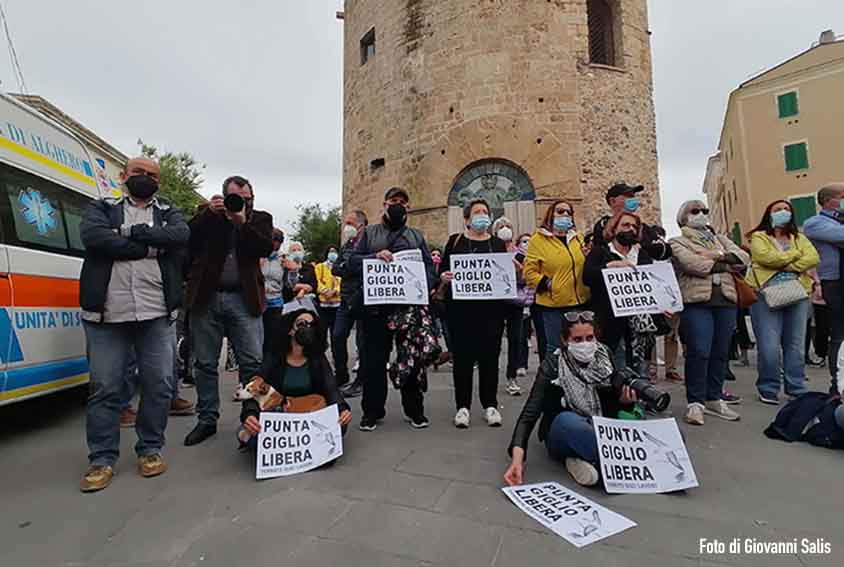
267, 397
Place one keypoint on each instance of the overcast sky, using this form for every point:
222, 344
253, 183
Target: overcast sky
254, 87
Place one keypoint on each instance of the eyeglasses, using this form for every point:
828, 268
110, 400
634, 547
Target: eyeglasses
580, 316
563, 212
698, 211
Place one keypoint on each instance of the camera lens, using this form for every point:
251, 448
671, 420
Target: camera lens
660, 400
234, 203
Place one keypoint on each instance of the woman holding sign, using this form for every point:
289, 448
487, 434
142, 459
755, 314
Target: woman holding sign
707, 266
574, 384
629, 338
296, 369
554, 268
476, 326
782, 258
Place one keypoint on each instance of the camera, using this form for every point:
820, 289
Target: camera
234, 203
645, 390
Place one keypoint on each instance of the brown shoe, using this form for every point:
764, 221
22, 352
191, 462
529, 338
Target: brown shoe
151, 465
181, 406
128, 417
97, 478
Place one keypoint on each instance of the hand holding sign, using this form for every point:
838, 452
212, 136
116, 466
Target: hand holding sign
292, 443
395, 279
643, 290
483, 276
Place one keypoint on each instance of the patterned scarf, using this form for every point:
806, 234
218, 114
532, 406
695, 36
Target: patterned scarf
579, 383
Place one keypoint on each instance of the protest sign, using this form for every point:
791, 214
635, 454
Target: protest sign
643, 457
650, 289
400, 282
292, 443
571, 516
483, 276
298, 303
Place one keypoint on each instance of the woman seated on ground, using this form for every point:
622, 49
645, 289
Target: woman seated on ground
297, 367
575, 383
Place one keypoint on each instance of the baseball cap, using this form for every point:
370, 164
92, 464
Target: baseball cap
623, 189
396, 192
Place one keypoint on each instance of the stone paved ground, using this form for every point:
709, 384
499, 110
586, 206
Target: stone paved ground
399, 497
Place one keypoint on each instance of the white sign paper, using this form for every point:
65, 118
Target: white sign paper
643, 457
650, 289
293, 443
400, 282
571, 516
483, 276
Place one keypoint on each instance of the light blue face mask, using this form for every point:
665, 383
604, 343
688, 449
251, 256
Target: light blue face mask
632, 204
332, 257
480, 223
563, 223
780, 218
297, 256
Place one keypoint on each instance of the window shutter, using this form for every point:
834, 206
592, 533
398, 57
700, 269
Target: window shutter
788, 105
796, 157
804, 207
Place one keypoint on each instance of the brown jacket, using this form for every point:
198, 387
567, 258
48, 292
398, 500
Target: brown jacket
210, 239
695, 271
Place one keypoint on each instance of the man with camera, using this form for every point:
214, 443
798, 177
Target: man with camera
225, 292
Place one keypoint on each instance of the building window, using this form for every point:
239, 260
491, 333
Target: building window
601, 36
787, 104
367, 46
804, 207
796, 157
737, 234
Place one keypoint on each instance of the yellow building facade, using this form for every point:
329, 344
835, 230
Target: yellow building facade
782, 138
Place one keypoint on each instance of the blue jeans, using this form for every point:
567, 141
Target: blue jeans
707, 333
131, 378
109, 347
572, 435
226, 315
780, 343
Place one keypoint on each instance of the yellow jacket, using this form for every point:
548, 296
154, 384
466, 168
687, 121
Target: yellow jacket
326, 281
562, 264
768, 260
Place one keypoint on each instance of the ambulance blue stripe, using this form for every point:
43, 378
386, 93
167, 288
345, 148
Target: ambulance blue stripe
34, 375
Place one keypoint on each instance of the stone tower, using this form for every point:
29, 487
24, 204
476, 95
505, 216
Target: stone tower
519, 101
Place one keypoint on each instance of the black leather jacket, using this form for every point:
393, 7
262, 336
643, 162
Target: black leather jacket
544, 403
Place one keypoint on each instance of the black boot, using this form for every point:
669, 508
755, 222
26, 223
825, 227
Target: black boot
200, 433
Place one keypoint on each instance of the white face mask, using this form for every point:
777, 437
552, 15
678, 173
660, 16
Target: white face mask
583, 352
506, 234
349, 232
699, 220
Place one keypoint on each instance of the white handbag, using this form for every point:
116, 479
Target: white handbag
781, 292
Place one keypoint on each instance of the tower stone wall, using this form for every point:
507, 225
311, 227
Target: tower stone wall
458, 89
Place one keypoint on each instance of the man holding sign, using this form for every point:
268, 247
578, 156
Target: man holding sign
480, 274
399, 277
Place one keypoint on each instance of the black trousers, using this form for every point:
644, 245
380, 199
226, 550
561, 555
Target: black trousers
272, 328
328, 315
833, 294
536, 315
476, 341
378, 344
819, 336
513, 324
343, 324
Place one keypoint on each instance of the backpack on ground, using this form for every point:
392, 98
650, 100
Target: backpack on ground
811, 418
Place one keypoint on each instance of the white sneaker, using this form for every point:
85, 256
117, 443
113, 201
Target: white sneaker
513, 387
356, 367
462, 418
719, 408
493, 417
694, 414
521, 372
583, 472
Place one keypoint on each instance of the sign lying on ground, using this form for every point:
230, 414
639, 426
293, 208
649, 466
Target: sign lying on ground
651, 290
571, 516
643, 457
400, 282
483, 276
292, 443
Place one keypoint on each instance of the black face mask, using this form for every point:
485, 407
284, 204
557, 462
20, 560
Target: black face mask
141, 186
305, 336
396, 215
627, 238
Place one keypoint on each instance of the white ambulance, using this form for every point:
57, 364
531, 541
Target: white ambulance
47, 177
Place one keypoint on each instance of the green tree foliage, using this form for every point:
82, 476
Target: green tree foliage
317, 228
181, 178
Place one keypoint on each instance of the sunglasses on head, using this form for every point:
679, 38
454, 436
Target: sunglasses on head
580, 316
697, 211
303, 324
